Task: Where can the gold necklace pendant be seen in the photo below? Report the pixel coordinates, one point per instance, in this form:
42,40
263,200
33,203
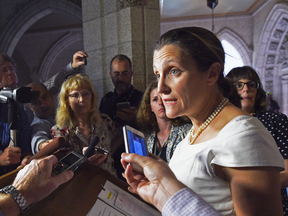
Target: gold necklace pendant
205,124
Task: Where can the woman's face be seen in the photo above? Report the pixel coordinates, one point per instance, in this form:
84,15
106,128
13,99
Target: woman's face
156,104
249,96
80,101
180,84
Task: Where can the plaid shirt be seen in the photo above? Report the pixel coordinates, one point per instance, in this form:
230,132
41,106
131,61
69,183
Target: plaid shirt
186,202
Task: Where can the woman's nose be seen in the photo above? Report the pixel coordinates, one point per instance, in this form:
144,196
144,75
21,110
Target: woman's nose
162,86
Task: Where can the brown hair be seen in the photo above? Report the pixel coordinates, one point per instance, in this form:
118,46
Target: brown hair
146,119
247,72
205,49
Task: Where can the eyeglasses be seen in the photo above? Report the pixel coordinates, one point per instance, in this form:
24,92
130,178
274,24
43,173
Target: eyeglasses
76,96
250,85
11,69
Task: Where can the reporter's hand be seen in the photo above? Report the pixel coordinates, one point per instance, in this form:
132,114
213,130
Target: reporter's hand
159,182
128,115
35,181
11,155
96,159
78,59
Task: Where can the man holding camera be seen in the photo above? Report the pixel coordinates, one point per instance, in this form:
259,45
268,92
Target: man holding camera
11,156
12,153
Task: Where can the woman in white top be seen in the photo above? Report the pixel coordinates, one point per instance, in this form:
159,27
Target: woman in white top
228,157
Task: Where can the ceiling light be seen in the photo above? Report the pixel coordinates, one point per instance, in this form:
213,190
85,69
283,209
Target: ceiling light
212,4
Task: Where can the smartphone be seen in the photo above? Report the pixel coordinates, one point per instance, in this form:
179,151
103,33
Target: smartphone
70,162
100,150
122,105
135,143
85,61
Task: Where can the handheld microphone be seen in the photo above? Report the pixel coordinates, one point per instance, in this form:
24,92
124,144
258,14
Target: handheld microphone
91,149
73,160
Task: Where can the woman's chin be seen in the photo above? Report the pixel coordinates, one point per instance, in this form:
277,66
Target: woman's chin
171,115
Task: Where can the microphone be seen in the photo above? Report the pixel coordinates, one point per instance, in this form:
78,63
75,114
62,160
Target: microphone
91,149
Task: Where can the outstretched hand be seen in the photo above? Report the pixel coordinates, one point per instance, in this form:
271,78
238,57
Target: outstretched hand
35,181
159,182
96,159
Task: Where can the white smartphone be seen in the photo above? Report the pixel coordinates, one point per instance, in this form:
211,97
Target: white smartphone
135,143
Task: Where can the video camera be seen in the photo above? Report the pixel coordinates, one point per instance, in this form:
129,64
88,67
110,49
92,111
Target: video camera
20,95
12,97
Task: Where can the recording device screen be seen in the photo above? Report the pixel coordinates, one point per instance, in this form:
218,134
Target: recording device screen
136,144
70,162
70,159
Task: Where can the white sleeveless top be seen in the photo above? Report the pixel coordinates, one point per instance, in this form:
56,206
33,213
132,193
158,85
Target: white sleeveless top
243,142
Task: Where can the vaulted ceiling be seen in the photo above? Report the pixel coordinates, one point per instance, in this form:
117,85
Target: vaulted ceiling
171,9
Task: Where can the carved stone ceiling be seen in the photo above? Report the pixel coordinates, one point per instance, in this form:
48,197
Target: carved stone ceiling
171,9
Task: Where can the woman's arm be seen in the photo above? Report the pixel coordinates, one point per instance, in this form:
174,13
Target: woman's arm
284,175
255,190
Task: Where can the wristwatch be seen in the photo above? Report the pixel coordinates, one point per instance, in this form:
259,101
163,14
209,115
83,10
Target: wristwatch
17,196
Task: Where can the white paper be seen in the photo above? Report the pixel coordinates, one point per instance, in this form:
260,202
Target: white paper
100,208
125,202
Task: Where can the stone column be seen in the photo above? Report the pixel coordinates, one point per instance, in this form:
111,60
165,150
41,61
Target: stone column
111,27
284,108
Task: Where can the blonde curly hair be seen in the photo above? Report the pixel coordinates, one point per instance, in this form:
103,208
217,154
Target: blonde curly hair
64,115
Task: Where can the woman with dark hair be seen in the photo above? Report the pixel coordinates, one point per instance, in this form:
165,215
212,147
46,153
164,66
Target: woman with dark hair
228,158
253,102
162,134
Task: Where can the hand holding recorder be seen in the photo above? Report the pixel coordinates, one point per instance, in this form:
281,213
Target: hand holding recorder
73,160
35,181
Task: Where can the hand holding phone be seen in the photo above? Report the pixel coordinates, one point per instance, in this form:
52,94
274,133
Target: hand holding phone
135,143
123,105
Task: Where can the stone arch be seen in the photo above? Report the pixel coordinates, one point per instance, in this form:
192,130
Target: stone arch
50,57
271,56
238,43
30,14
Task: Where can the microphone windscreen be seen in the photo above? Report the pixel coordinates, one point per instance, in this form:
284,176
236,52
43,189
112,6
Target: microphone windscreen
91,149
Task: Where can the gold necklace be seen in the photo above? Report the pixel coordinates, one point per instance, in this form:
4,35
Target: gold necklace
207,121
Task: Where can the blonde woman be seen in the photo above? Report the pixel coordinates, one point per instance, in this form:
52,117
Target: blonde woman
79,120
